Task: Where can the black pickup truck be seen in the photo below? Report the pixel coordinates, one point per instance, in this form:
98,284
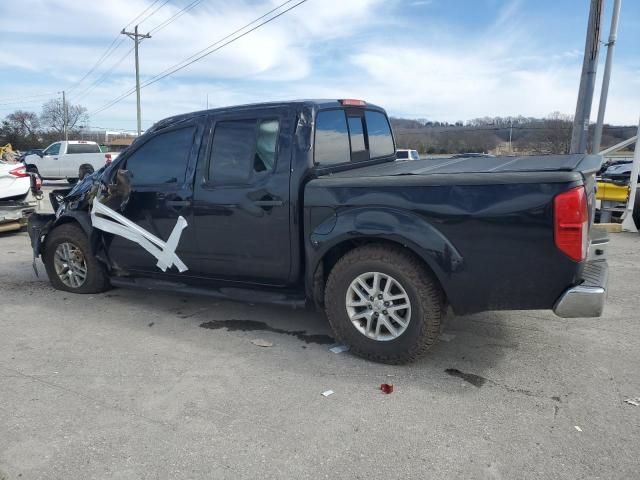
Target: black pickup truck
303,203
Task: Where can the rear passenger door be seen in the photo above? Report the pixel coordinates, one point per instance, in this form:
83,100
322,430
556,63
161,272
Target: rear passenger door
241,204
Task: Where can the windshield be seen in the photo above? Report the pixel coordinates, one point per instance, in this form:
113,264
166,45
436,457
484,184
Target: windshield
414,155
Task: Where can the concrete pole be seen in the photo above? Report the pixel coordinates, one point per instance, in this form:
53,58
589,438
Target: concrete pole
613,36
580,132
628,225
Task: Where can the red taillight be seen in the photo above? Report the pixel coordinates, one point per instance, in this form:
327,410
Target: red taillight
19,172
107,158
571,223
353,103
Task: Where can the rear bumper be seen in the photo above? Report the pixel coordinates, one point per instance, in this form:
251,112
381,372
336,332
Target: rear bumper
587,299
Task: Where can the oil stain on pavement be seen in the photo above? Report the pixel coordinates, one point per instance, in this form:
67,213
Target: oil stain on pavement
253,326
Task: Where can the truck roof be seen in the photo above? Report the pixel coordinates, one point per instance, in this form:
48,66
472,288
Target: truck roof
318,104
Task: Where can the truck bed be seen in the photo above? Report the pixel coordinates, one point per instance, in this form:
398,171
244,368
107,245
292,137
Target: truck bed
494,217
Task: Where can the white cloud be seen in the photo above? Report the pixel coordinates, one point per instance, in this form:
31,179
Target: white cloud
328,48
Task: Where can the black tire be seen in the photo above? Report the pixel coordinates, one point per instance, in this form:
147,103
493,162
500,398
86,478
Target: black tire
96,280
32,169
72,181
85,170
423,290
636,210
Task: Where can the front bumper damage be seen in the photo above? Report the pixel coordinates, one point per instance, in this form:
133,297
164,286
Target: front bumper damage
587,299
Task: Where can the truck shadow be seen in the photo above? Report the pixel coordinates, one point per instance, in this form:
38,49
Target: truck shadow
469,348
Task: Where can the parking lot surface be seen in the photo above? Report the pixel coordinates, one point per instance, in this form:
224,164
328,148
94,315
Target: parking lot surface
133,384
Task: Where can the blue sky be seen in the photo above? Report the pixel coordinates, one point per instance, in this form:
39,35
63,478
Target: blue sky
437,59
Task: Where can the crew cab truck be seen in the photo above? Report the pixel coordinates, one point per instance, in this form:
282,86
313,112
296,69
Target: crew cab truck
302,203
70,160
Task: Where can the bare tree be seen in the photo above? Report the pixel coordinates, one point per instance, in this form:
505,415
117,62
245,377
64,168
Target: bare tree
52,115
23,123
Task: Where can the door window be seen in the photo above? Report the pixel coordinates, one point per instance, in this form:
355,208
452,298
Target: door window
163,159
52,149
242,149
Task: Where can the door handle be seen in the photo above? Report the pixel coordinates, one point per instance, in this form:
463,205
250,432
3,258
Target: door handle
178,203
268,203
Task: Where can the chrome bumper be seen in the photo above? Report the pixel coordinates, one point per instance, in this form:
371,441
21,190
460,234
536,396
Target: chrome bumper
587,299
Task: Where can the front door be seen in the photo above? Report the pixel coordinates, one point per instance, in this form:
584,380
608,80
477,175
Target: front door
49,166
161,175
241,198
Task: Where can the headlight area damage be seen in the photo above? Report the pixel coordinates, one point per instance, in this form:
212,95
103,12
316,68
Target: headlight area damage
95,205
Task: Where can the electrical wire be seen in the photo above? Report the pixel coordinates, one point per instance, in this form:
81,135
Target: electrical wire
228,39
175,16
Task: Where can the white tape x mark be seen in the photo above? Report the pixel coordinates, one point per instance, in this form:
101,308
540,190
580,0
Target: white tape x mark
165,252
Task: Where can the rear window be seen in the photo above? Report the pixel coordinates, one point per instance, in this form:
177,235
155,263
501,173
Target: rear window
83,148
341,139
332,138
380,139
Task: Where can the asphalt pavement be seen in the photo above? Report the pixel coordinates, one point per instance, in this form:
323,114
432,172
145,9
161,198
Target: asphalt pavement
138,385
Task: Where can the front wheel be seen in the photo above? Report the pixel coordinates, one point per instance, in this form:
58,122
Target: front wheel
384,303
70,264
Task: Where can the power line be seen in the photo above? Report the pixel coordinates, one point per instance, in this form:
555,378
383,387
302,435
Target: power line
26,99
205,52
117,41
103,77
148,16
175,16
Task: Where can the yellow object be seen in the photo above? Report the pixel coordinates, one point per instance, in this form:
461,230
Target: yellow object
612,193
6,149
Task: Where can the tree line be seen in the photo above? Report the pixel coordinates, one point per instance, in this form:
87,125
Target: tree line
501,135
25,130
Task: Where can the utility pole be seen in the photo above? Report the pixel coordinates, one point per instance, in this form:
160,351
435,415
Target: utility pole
510,134
65,117
613,36
137,38
580,132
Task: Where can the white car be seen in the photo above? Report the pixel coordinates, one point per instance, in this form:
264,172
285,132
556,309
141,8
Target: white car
17,200
403,154
68,160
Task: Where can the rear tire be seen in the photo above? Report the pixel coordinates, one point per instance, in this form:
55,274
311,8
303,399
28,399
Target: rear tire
418,329
70,264
32,169
72,181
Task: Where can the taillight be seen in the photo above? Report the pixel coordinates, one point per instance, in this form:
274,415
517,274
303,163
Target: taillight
19,172
571,223
107,158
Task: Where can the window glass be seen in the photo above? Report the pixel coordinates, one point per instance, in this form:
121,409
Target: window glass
162,159
332,138
356,130
266,145
415,155
380,139
52,149
83,148
241,148
402,154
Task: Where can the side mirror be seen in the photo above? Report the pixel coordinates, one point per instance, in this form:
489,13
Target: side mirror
40,154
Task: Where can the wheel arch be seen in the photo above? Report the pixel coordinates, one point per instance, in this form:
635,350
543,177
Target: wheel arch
422,240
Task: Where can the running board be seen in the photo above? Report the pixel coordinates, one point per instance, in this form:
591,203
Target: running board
224,293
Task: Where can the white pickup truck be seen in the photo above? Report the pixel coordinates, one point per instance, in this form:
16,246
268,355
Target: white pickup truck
68,160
